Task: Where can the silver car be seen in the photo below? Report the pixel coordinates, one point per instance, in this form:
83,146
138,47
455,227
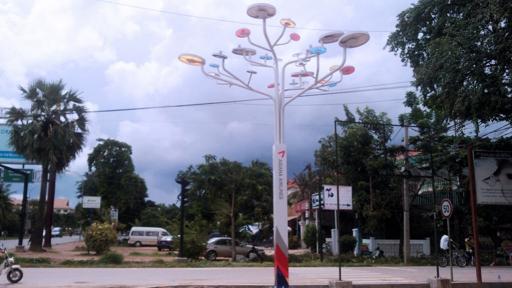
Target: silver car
221,247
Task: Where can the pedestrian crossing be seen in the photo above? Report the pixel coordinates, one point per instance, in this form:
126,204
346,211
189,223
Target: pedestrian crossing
357,276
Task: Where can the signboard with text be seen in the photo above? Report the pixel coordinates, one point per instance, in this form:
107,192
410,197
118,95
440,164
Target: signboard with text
12,177
493,177
93,202
330,200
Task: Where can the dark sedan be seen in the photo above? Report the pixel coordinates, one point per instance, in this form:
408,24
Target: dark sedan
165,243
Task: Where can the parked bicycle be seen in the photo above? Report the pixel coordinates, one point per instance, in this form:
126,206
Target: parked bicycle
459,257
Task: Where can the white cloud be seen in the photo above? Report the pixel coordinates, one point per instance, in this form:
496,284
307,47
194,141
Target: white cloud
121,56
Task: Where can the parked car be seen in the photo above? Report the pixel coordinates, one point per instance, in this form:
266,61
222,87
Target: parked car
57,232
221,247
123,237
146,235
165,243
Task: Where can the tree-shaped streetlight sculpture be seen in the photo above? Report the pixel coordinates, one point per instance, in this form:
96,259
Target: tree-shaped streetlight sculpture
281,96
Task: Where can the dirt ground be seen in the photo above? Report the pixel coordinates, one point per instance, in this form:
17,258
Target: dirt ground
77,251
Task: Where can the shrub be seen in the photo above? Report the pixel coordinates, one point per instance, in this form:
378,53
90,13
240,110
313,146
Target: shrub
99,237
112,258
293,242
348,243
194,247
310,237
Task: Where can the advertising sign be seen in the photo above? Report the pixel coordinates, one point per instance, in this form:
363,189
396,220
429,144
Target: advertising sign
91,202
493,177
330,200
7,154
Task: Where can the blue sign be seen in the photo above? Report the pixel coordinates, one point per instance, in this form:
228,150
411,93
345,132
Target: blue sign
7,154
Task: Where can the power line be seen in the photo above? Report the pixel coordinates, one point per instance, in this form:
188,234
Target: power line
223,20
243,100
399,129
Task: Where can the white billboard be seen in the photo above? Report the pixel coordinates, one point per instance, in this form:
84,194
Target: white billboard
330,200
493,177
91,202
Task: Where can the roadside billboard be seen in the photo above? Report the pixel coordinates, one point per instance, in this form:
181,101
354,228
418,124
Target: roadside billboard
7,154
493,177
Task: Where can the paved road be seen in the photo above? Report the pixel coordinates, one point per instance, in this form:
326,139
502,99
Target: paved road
158,277
12,243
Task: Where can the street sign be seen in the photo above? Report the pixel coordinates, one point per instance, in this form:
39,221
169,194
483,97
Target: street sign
114,214
330,201
13,177
446,208
91,202
315,203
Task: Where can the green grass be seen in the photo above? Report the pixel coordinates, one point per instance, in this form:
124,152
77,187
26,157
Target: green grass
163,260
33,262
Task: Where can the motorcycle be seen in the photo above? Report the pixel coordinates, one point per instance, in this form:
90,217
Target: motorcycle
14,272
256,253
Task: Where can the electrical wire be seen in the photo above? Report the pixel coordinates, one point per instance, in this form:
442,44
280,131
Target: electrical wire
399,129
244,100
225,20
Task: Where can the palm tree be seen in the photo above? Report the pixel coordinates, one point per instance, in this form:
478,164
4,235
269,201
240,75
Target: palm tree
52,133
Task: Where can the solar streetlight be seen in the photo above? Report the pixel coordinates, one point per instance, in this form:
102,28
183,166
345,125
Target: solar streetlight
281,95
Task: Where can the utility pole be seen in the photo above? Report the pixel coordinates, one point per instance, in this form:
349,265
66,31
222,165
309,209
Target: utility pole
407,226
474,213
184,184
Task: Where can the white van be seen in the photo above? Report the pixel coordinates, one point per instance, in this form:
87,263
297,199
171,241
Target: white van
146,235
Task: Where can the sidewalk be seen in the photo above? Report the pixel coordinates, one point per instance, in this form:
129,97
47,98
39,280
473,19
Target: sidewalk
362,277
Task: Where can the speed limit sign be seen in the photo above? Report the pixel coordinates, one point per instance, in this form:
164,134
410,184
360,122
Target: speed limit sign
446,208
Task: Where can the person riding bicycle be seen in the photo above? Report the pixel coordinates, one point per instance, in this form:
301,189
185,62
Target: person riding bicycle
443,244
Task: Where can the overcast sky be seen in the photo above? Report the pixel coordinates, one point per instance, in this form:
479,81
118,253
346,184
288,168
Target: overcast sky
123,54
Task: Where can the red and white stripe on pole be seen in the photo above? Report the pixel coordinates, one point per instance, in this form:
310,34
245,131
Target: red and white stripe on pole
280,192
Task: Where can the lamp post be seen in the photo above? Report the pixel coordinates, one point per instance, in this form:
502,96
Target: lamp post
281,95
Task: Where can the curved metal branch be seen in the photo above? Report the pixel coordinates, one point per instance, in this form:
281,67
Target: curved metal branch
257,45
323,78
283,71
233,75
247,87
317,67
256,63
223,74
284,43
279,37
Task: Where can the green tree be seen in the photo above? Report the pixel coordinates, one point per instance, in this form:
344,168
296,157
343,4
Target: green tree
460,55
6,208
225,193
367,164
112,176
51,132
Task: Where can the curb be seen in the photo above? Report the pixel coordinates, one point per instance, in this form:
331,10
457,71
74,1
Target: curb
389,285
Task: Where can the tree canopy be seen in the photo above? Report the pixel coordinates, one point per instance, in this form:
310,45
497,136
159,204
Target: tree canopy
226,194
52,133
460,55
367,164
112,176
